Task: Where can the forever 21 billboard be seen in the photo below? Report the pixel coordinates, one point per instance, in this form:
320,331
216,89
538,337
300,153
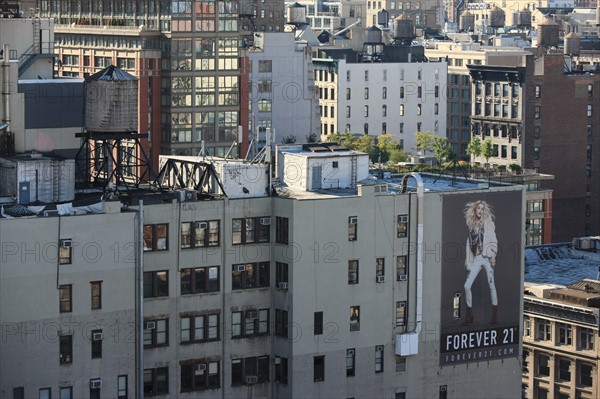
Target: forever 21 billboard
481,276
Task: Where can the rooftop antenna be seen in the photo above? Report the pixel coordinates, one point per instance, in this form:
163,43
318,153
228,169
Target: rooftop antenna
454,165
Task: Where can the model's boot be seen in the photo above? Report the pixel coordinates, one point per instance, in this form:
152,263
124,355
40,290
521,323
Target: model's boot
469,317
494,315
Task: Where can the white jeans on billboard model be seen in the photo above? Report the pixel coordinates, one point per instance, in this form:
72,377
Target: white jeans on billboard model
472,271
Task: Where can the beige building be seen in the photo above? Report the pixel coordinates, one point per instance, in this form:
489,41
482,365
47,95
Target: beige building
311,292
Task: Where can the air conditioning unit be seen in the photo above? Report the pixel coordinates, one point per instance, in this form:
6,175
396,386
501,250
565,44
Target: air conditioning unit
200,368
201,225
353,220
380,279
277,360
67,243
402,277
150,325
96,383
190,195
379,348
98,336
251,379
251,314
265,221
239,268
283,285
350,352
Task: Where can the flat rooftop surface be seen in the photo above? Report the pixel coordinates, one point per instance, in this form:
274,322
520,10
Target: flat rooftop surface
558,264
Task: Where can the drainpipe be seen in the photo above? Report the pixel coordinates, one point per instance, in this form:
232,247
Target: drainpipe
5,125
139,372
420,217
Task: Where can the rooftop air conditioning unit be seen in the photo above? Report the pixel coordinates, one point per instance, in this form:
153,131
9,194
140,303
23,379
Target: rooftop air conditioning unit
96,383
380,279
402,277
265,221
67,243
251,379
239,268
283,285
150,325
97,336
201,225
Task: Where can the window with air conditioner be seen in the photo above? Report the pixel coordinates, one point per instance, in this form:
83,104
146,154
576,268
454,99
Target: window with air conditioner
200,234
97,338
350,362
156,333
65,251
250,370
352,228
250,275
250,323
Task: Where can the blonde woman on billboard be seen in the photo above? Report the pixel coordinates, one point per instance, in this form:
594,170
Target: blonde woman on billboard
481,250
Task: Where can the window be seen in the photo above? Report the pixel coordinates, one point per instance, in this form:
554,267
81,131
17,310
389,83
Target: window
379,359
156,381
282,230
348,111
590,90
400,364
347,76
353,272
66,349
200,280
96,291
401,109
402,226
384,110
355,318
96,339
281,323
564,334
563,365
586,338
156,237
380,267
198,375
543,332
366,93
94,392
366,111
200,234
45,393
156,284
585,374
401,267
281,369
65,253
248,371
250,323
443,392
401,92
202,328
543,365
281,274
366,128
265,105
250,275
538,91
348,94
156,333
401,127
384,93
527,326
265,66
352,228
66,392
318,323
251,230
400,395
401,313
65,298
366,76
436,109
122,387
456,306
350,362
589,110
319,368
19,393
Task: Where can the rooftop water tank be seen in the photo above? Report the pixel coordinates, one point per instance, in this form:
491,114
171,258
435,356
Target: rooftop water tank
404,28
523,19
383,18
373,35
572,44
496,17
297,14
111,101
467,22
547,34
